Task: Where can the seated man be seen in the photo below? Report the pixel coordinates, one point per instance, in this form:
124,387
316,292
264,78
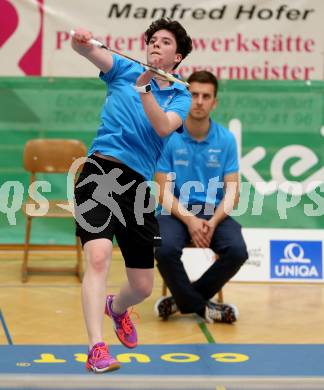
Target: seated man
202,165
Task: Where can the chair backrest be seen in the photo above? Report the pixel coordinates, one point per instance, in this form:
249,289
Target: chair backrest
52,155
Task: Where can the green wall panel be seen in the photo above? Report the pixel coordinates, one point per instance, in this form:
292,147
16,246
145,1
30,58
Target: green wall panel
273,116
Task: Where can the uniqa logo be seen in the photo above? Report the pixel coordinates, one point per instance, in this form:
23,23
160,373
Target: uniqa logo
294,264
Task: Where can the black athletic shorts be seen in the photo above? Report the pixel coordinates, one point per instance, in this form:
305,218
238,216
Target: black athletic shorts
111,200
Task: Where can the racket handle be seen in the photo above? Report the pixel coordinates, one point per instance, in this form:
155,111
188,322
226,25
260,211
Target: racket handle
93,41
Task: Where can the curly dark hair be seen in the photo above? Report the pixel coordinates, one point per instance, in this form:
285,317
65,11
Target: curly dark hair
204,77
183,40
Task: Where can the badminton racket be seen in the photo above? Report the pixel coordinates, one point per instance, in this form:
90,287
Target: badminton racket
154,69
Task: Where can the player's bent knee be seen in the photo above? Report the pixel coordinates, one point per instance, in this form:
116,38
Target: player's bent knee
144,290
238,253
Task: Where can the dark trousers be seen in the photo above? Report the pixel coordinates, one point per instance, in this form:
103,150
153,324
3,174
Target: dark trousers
227,242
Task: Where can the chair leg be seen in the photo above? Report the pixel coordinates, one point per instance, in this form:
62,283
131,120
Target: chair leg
164,288
79,267
220,297
24,268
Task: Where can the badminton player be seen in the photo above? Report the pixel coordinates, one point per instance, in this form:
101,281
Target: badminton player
141,110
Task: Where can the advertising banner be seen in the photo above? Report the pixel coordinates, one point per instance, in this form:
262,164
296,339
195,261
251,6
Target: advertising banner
265,40
277,255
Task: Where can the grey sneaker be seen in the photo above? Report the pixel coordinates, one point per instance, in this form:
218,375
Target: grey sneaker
165,306
220,312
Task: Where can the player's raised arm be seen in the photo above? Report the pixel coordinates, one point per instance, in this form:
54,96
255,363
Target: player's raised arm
102,59
162,122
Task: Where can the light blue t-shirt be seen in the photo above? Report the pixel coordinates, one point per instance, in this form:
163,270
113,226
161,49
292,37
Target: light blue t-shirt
125,131
200,167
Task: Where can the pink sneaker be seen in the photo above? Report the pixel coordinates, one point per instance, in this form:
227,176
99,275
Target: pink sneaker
100,360
124,327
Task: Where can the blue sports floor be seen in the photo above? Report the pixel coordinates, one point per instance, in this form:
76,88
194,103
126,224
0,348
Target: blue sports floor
183,366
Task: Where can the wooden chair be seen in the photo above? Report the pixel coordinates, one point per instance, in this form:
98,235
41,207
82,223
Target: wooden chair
49,156
219,295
